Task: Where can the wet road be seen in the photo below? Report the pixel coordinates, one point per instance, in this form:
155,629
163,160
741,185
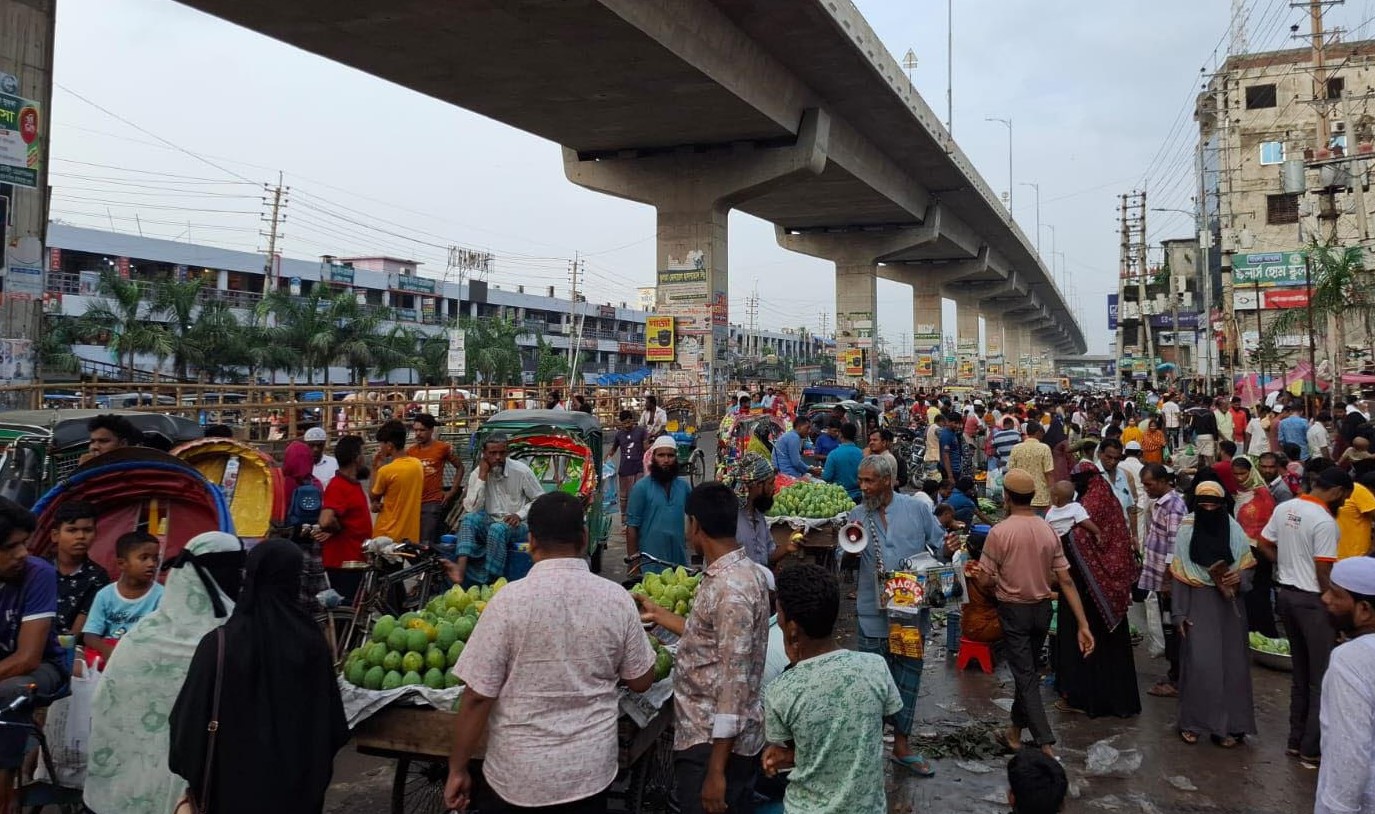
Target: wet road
1255,777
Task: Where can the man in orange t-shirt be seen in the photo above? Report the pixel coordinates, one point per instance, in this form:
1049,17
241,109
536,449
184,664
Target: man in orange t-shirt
433,455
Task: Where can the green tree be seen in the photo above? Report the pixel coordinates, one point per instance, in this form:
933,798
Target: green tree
54,347
550,364
175,304
492,350
1343,291
321,330
121,314
431,359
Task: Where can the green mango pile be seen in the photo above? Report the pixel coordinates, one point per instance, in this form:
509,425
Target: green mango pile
670,589
811,499
420,648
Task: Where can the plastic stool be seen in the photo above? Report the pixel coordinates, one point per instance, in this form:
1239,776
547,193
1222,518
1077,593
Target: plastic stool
978,652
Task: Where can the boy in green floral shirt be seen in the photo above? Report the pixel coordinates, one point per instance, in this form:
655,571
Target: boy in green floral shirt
823,717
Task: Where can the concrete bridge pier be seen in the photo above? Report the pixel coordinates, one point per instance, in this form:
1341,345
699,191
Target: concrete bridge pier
857,255
928,323
693,190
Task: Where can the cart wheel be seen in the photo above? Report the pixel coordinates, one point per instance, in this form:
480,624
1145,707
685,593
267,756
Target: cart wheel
651,782
418,787
697,467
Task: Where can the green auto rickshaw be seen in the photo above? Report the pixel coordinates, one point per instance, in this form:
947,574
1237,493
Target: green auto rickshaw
564,450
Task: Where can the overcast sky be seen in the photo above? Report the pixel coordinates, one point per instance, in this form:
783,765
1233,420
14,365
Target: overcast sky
1100,96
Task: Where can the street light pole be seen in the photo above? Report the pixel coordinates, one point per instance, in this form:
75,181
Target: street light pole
1008,122
1037,188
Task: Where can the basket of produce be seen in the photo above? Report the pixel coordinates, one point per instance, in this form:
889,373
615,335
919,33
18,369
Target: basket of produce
1272,653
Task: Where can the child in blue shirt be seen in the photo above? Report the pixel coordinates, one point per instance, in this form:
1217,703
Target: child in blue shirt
120,605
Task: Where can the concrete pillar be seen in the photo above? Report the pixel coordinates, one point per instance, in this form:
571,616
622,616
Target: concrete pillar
857,256
928,328
995,363
966,338
693,193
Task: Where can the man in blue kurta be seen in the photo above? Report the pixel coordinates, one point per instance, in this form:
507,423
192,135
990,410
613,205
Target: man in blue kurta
787,450
655,515
842,465
899,527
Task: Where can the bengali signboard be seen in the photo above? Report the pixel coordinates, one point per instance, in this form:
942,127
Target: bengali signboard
683,286
854,362
1268,269
967,344
1187,319
689,320
414,285
20,141
1112,312
340,275
925,366
1269,299
24,282
659,339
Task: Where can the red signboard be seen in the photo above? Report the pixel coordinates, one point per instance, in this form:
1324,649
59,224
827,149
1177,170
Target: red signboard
54,259
1285,297
630,349
123,266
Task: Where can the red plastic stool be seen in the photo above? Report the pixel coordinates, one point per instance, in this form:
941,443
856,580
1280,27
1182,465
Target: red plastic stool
979,652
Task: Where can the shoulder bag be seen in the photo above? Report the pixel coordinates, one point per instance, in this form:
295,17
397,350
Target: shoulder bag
200,804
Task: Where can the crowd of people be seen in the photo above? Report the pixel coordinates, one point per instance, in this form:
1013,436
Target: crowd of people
1228,520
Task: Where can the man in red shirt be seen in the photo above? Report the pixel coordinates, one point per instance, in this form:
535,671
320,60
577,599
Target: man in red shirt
346,518
1239,422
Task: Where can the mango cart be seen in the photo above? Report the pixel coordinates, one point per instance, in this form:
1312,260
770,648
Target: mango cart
419,740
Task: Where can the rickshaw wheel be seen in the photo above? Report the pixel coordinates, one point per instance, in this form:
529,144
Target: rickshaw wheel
652,781
418,786
697,467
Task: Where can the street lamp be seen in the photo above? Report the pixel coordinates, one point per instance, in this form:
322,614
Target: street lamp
1052,241
1036,187
1008,122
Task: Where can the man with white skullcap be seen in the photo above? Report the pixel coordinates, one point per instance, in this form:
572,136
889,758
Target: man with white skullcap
1346,778
654,514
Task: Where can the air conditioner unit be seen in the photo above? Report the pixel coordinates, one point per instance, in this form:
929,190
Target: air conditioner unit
1339,127
1186,299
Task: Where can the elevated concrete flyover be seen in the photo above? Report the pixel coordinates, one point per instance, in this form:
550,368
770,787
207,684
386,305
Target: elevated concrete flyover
790,111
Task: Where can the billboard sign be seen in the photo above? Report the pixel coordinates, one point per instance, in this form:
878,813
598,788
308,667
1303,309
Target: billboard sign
1268,269
1112,312
659,339
1269,299
854,362
21,129
458,354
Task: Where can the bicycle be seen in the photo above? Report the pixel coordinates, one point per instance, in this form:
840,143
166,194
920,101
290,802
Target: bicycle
36,795
634,574
390,586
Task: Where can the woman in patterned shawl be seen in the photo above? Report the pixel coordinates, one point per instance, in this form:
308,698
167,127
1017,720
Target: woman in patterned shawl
127,770
1104,568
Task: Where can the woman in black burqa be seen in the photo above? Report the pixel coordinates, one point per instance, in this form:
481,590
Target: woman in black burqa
281,720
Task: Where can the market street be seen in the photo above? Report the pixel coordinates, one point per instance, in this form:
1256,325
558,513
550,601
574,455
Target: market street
1255,778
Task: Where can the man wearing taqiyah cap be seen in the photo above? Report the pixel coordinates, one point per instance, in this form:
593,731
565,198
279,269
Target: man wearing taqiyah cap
654,515
326,466
1021,559
1346,779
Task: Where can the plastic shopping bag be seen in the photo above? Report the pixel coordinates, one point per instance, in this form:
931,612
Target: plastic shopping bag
68,728
1155,632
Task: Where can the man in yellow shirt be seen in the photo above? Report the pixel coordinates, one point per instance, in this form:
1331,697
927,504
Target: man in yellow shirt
397,486
1354,523
1035,457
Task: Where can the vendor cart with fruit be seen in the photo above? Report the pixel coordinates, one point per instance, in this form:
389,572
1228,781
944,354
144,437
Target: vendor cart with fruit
400,698
809,513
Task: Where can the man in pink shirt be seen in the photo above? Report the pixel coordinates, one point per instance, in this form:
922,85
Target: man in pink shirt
540,676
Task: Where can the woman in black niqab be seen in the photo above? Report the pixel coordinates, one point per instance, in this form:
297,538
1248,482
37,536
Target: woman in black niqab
281,718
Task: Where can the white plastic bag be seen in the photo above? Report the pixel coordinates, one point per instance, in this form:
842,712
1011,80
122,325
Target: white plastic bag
1155,632
68,728
993,487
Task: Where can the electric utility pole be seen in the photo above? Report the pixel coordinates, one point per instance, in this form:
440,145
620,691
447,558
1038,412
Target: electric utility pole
280,196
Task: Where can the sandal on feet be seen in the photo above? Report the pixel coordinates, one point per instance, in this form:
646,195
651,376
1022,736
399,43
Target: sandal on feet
1188,737
1013,745
916,764
1309,762
1164,689
1064,706
1228,742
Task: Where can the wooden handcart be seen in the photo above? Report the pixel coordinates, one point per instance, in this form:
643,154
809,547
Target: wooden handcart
419,740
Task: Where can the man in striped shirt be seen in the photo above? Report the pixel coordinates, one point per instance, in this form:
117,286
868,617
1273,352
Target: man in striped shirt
1005,439
1167,511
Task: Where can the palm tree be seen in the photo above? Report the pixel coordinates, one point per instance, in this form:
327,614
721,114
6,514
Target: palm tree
492,350
431,358
1342,290
120,312
216,343
54,347
175,302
